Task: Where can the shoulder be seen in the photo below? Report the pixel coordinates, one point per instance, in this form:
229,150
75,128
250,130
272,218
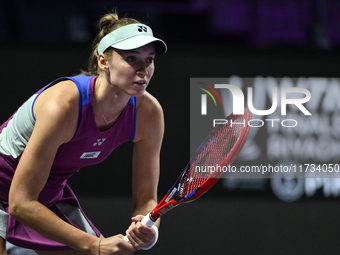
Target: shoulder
149,105
59,105
62,95
150,119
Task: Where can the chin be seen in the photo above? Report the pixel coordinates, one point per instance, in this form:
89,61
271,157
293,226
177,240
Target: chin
137,93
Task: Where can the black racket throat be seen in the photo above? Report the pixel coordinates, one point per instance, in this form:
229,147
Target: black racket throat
176,191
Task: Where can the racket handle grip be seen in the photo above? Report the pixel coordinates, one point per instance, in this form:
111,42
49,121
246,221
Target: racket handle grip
145,221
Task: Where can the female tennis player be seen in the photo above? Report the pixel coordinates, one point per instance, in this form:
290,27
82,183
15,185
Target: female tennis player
75,122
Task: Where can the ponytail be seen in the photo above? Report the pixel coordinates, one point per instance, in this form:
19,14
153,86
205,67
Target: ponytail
108,23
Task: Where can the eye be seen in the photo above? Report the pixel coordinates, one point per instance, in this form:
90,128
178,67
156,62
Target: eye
150,60
131,59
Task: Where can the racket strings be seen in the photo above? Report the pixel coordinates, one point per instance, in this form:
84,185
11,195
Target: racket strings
206,163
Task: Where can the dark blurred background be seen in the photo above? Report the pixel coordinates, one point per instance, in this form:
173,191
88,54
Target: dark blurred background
43,40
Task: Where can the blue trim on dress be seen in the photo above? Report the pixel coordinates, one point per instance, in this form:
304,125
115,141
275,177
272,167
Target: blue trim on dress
133,102
84,92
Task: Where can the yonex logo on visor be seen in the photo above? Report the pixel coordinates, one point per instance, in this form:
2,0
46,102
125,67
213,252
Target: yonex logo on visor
141,29
131,37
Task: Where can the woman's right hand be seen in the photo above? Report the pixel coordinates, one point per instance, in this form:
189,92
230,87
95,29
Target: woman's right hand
115,245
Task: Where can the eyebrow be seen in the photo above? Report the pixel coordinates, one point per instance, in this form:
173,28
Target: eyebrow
137,52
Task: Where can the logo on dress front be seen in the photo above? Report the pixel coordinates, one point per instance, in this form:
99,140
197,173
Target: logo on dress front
99,142
93,154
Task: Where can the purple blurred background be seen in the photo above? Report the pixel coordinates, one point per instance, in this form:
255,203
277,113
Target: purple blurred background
255,23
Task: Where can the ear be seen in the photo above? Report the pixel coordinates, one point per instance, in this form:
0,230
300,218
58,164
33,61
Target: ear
102,62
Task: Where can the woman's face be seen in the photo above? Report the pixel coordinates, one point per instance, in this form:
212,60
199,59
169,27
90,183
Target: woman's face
131,70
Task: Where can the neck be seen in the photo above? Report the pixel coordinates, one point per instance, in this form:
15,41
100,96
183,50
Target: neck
107,103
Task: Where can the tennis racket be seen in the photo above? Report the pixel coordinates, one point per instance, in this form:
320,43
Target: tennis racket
220,148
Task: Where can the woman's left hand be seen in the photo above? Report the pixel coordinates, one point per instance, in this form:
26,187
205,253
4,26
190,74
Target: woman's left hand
140,235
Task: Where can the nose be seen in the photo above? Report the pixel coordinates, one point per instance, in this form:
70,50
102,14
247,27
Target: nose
142,69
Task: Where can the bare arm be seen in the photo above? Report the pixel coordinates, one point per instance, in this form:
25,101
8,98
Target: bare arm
146,153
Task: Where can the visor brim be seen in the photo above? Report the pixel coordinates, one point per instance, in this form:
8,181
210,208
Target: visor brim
139,41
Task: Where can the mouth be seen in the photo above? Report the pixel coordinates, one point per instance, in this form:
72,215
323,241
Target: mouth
141,82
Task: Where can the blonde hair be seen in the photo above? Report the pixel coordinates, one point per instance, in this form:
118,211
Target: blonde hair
107,24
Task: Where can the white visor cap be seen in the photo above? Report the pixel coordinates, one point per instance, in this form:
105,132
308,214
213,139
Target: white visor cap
131,37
